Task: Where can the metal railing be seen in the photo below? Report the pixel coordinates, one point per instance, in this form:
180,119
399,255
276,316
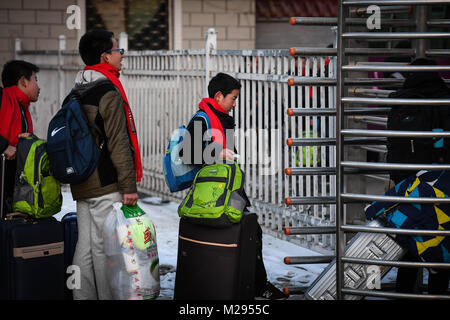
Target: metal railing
348,100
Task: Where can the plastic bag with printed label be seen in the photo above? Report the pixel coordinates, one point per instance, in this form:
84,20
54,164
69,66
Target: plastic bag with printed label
129,239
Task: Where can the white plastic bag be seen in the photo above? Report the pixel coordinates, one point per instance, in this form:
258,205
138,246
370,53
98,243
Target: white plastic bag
129,240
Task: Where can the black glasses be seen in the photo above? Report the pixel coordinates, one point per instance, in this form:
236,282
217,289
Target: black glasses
122,51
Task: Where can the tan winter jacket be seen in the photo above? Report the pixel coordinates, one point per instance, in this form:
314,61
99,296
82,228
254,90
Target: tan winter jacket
104,106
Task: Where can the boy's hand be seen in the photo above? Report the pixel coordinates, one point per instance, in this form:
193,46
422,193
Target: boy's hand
130,199
227,154
24,135
10,153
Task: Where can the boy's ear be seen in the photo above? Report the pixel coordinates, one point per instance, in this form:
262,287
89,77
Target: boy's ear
218,96
22,82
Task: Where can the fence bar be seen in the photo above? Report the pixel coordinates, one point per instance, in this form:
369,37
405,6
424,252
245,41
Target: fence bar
398,35
330,171
310,200
386,22
394,133
308,260
370,92
311,81
395,166
397,102
310,171
313,21
295,142
379,52
397,264
370,120
384,294
357,197
332,111
437,52
392,2
294,290
310,142
309,230
305,51
395,68
438,23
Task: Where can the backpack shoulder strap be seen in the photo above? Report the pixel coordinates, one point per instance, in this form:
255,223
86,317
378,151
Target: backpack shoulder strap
204,116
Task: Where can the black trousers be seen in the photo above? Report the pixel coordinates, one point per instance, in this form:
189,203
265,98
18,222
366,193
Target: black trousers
407,279
260,269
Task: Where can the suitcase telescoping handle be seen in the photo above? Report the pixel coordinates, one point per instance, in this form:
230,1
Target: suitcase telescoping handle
2,184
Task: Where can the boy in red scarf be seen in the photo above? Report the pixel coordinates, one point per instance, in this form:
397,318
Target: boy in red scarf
223,92
20,88
104,103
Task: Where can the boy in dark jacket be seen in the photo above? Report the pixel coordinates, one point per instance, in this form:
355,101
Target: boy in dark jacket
223,92
420,85
20,88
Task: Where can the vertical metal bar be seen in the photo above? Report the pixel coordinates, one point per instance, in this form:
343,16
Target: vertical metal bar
272,125
260,130
284,116
339,154
266,132
254,125
248,134
279,144
421,19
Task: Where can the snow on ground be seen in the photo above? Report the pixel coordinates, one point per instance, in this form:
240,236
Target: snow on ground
165,218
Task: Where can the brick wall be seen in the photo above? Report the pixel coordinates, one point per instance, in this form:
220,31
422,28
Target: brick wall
38,23
234,21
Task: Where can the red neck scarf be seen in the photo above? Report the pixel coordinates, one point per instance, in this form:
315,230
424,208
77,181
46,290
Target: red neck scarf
113,74
216,125
11,117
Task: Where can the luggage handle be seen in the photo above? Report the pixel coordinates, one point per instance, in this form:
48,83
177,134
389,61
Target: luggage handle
38,251
18,215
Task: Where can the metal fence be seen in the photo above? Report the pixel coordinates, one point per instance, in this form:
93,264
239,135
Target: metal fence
164,89
354,101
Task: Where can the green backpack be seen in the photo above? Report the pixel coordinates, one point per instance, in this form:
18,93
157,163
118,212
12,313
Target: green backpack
36,191
215,196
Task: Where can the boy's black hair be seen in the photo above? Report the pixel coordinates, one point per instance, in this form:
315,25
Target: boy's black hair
93,44
14,70
224,83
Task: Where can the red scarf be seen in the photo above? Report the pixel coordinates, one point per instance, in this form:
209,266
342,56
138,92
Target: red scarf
10,115
216,125
113,74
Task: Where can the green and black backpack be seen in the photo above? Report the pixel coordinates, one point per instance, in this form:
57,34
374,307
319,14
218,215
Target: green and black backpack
215,196
36,191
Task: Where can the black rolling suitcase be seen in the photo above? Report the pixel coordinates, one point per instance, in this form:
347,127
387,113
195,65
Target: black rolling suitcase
70,226
216,264
31,257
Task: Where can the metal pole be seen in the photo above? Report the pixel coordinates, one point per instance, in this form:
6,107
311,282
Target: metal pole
211,44
339,155
421,21
61,47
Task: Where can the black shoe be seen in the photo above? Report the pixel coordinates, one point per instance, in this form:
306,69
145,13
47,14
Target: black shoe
271,292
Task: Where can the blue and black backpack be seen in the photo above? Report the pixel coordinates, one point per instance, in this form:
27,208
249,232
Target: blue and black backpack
178,175
71,147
